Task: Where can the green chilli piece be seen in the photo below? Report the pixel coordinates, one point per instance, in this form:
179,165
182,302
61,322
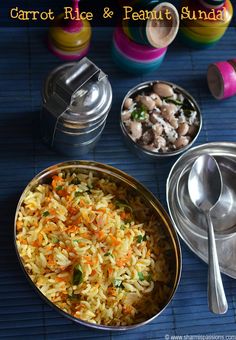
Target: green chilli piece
139,113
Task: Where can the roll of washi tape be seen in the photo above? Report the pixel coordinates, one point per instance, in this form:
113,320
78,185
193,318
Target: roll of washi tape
221,78
70,40
233,63
136,51
157,31
135,67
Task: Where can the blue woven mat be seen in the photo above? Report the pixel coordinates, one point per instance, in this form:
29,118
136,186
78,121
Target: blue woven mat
24,63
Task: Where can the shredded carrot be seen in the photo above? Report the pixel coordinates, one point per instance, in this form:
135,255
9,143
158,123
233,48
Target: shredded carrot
99,220
54,219
86,236
72,229
55,181
114,241
93,272
40,239
62,193
50,260
78,220
102,210
127,309
128,256
19,225
82,203
112,291
110,270
22,241
120,263
100,235
88,260
123,215
52,211
61,279
72,210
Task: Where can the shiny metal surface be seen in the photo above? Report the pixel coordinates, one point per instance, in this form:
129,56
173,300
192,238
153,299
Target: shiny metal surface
205,187
223,214
77,98
187,227
139,150
118,176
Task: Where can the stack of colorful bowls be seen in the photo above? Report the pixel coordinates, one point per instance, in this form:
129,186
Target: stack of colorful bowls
140,46
70,39
204,22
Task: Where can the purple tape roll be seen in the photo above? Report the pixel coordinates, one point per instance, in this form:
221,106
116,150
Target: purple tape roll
221,78
136,51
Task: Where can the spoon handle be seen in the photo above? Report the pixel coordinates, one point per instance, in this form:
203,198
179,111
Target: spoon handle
216,295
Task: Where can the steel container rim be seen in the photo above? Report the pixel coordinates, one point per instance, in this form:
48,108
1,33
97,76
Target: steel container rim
151,154
117,175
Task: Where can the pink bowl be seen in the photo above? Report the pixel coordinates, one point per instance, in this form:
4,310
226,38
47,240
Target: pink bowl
135,51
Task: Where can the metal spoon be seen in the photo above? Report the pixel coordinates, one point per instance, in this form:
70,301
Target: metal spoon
205,187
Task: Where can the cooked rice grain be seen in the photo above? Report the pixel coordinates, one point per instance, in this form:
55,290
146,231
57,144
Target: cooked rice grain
95,250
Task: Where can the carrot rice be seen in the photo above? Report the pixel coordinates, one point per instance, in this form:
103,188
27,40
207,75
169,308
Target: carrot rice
94,249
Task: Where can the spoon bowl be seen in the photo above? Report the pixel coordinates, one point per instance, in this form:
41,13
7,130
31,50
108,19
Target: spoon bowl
205,183
205,189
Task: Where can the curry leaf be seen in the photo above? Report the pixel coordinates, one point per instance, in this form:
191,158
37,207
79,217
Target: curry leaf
77,275
174,101
139,238
75,181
